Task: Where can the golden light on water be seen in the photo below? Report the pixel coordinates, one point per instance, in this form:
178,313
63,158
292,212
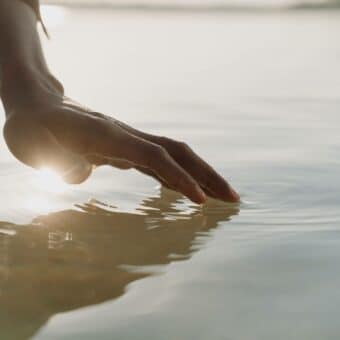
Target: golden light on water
48,187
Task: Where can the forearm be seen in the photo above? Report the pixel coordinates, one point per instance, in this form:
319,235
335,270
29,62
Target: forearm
23,69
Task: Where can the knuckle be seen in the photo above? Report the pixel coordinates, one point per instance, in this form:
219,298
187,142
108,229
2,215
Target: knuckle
158,152
163,140
182,146
174,146
166,142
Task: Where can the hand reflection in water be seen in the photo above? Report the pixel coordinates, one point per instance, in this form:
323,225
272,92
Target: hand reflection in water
72,259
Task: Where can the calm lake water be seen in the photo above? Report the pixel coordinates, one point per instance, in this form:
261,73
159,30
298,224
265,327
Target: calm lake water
257,95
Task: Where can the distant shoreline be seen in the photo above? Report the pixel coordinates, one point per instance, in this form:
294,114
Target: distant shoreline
194,8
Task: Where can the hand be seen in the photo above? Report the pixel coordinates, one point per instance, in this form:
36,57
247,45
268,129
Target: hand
59,133
44,128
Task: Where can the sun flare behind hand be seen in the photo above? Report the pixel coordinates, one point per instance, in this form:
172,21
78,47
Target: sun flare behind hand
50,181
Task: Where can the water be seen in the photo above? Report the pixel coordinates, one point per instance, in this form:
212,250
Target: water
119,258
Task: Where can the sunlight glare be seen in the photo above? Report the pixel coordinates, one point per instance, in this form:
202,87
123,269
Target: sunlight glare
50,181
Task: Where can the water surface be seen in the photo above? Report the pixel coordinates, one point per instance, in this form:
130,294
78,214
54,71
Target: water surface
117,257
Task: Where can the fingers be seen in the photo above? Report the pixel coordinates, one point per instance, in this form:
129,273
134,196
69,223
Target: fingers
210,181
208,178
34,145
157,160
112,141
213,183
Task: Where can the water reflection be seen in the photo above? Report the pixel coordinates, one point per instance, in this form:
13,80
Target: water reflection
76,258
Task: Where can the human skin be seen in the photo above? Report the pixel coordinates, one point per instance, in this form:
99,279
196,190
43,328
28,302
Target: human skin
44,128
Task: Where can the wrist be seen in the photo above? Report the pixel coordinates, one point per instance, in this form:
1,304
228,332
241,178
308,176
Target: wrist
18,83
23,85
24,76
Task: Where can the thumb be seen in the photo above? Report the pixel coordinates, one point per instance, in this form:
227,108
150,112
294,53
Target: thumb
34,145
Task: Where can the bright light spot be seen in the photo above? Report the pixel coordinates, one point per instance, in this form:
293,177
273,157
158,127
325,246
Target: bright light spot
38,204
48,186
52,15
50,181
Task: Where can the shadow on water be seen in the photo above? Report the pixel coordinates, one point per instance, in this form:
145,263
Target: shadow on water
76,258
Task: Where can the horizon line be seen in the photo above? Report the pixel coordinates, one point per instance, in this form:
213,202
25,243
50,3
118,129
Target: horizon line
194,7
